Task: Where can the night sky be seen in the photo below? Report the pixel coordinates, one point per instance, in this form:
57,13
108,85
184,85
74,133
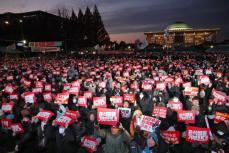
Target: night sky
128,19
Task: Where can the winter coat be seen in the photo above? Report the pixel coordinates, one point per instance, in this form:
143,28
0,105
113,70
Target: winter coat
115,143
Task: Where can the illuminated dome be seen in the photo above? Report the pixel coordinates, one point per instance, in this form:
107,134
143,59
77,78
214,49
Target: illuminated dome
177,26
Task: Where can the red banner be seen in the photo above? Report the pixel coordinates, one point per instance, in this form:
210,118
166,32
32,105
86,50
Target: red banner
108,116
171,137
196,134
89,144
99,102
129,97
159,112
186,116
117,100
62,98
149,123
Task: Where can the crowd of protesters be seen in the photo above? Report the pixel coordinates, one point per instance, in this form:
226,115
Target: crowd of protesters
158,104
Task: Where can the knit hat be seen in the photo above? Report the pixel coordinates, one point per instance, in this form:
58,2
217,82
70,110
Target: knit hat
153,135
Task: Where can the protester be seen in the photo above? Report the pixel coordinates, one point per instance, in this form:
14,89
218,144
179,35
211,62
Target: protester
117,104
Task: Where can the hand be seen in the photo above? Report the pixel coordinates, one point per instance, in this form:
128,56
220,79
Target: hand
16,148
120,126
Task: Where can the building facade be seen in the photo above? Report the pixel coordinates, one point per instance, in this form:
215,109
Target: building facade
180,34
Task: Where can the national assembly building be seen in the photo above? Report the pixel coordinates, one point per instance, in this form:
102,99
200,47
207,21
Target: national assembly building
180,34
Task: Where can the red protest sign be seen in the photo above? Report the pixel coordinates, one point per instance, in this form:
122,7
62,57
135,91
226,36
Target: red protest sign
7,107
89,144
129,97
9,78
99,102
187,84
76,84
62,98
88,94
6,123
107,116
48,87
82,101
17,128
159,112
169,80
178,81
14,97
63,121
171,137
186,116
73,114
204,79
29,97
117,100
160,86
149,123
147,86
66,86
196,134
39,84
37,90
191,91
74,90
220,96
44,115
175,105
26,82
47,96
9,89
221,117
102,84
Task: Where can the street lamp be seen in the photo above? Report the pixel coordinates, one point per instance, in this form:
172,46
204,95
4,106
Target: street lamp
7,22
20,20
24,41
